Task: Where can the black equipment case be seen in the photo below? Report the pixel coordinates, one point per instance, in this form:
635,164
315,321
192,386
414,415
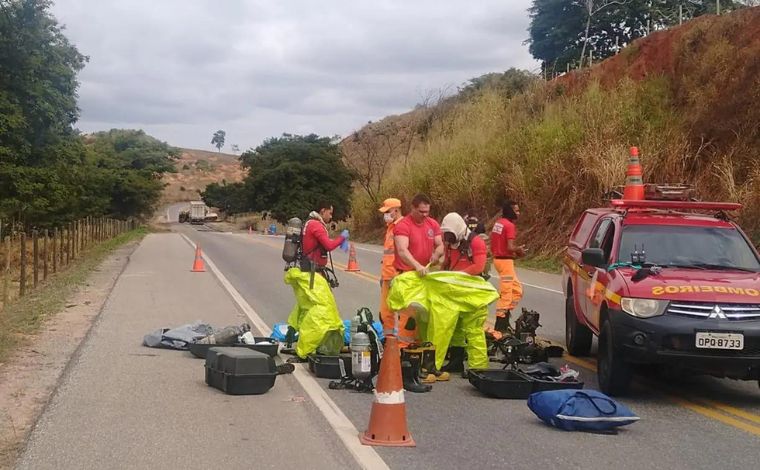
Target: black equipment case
200,350
240,371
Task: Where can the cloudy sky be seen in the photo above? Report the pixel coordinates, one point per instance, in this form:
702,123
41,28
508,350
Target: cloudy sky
181,69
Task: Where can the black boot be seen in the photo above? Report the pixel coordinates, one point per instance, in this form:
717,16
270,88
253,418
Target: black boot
410,369
429,372
502,323
456,360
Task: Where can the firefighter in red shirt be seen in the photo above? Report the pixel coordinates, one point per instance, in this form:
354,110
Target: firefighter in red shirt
505,251
418,243
316,242
391,210
466,252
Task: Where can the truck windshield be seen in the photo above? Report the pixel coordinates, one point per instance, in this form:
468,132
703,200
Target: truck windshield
689,246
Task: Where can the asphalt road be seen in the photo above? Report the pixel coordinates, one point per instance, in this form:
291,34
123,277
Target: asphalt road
121,405
702,423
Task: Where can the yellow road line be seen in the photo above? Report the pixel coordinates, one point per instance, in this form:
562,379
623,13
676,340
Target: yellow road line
697,408
732,410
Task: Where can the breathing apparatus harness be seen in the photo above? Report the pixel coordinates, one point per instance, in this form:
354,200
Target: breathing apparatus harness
294,256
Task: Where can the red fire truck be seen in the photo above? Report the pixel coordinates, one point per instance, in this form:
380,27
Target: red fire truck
669,282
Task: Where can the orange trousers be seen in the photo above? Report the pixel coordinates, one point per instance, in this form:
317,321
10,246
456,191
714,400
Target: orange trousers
510,288
399,327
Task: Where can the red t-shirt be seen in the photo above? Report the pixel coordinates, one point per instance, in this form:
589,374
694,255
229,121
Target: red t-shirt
502,231
316,242
421,240
458,261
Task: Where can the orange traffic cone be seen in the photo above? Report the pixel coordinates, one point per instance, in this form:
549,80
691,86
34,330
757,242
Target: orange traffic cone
353,266
634,183
250,230
387,421
198,266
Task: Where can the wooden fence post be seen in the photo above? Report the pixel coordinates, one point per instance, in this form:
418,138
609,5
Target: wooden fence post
45,256
22,278
68,244
7,275
55,252
35,258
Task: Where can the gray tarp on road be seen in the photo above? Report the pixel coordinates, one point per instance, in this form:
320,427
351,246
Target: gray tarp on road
179,337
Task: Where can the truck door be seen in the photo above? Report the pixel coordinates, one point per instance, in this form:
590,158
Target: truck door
595,279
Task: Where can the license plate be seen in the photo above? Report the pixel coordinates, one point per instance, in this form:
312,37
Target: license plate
710,340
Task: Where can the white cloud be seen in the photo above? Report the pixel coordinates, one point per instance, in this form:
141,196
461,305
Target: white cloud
181,69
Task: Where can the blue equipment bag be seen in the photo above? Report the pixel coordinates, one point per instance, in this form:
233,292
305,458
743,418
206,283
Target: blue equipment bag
280,331
580,410
376,325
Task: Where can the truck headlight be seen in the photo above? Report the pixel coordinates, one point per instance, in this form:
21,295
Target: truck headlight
643,308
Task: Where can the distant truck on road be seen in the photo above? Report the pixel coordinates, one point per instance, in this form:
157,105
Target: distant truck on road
198,211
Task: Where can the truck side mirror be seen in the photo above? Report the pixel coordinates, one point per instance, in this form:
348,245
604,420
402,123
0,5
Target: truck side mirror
594,257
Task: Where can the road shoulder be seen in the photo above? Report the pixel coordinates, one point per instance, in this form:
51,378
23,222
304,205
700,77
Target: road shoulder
30,377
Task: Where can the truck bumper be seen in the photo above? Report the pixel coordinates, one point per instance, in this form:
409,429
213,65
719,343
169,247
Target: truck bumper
671,340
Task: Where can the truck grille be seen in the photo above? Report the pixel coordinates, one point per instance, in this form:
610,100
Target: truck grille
716,311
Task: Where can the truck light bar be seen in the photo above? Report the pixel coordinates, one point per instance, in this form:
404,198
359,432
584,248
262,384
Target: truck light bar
675,205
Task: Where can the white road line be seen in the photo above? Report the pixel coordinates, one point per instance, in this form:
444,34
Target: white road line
368,249
554,291
365,456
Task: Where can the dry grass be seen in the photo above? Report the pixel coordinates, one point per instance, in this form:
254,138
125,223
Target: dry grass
688,98
195,170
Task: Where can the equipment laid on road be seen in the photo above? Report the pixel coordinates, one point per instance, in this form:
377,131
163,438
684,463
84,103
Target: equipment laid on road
180,337
330,367
575,410
515,383
366,354
240,371
268,346
522,345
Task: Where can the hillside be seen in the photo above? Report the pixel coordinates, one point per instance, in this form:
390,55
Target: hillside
196,169
688,97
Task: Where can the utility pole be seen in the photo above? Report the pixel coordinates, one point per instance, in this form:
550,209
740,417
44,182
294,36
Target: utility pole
680,14
717,6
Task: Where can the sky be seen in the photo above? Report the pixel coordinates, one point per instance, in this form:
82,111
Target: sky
182,69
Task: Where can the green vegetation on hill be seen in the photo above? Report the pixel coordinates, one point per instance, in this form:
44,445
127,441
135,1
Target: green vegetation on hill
689,98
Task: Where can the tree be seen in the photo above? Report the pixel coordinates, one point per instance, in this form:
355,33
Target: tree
230,198
235,148
592,7
561,31
289,175
369,151
38,83
218,139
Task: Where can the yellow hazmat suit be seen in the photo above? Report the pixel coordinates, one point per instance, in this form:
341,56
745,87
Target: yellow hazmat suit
315,315
442,299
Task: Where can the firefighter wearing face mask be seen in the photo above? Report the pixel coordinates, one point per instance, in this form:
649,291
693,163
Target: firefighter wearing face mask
466,252
391,210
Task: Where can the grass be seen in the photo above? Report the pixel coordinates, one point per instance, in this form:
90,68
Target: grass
544,264
23,317
558,153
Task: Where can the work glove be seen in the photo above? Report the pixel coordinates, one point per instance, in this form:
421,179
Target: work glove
344,245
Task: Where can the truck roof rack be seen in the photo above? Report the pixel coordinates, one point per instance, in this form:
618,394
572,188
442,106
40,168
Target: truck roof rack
674,205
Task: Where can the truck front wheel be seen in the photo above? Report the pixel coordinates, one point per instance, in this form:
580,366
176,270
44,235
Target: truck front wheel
577,336
613,373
